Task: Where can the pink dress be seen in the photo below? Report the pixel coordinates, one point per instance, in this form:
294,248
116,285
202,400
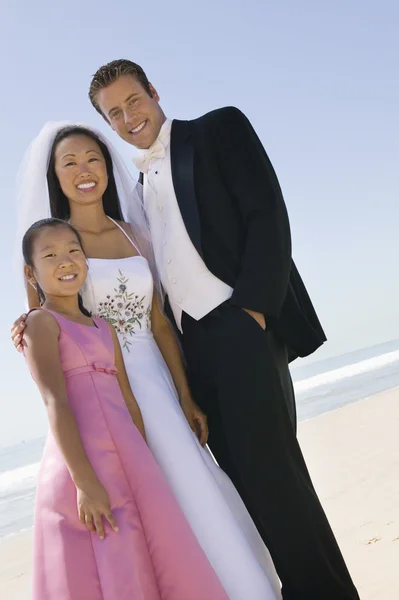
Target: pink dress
154,555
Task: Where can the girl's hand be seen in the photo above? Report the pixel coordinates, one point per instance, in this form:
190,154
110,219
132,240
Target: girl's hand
93,505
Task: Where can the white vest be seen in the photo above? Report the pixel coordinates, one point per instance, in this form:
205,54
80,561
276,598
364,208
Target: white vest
190,286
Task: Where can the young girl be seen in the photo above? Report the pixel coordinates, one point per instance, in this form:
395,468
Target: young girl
107,527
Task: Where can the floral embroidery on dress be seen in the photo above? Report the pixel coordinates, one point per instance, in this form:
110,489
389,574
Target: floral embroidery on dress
125,310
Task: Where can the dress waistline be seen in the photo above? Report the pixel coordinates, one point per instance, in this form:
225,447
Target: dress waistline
98,367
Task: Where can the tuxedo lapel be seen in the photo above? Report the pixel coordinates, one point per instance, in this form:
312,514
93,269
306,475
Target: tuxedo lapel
182,164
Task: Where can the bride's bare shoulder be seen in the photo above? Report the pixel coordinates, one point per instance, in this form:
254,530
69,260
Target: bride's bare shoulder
122,224
127,228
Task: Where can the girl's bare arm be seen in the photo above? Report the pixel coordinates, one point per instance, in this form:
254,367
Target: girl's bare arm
42,355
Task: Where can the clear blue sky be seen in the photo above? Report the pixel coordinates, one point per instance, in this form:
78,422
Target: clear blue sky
319,82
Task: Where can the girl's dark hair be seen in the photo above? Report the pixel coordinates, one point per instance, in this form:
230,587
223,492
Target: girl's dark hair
27,251
59,204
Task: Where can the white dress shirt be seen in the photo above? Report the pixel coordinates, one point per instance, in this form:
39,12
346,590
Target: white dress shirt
189,284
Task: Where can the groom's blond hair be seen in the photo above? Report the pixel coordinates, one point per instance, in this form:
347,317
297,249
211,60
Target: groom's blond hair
110,72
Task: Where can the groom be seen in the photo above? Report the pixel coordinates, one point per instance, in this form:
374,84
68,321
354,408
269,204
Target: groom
222,243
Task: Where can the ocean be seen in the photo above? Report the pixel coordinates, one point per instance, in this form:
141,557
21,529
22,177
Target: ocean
320,387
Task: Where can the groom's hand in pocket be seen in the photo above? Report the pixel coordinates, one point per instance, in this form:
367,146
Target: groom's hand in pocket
259,318
17,333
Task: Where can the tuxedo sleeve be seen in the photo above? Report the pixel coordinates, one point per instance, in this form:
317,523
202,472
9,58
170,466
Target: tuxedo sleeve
252,183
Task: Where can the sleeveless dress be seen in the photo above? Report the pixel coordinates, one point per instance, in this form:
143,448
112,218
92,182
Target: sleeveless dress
154,555
120,291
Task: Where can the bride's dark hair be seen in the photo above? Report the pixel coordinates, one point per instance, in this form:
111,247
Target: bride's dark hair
59,204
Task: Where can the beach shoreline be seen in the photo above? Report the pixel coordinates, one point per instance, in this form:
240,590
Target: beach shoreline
353,457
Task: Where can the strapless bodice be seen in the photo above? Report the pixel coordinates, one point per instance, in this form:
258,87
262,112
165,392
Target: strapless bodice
120,291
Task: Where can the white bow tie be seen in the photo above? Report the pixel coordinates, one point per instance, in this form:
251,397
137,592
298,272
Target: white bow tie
143,160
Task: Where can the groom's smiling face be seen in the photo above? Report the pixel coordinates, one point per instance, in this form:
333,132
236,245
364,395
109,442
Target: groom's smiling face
135,115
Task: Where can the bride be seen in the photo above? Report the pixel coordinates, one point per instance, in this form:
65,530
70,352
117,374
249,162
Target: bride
73,173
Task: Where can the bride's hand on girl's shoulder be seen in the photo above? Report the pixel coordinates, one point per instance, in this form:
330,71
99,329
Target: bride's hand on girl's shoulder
18,328
17,333
94,506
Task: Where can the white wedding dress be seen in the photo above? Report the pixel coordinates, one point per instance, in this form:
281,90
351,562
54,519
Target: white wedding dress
120,290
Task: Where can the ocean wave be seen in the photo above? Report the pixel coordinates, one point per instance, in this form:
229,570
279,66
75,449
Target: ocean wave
329,377
18,478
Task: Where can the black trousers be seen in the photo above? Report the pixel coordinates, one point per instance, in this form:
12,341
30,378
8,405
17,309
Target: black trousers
239,376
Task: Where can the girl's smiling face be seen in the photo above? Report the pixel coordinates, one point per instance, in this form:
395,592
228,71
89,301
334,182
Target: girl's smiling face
58,262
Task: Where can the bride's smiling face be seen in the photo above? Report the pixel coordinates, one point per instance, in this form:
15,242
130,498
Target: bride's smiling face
81,170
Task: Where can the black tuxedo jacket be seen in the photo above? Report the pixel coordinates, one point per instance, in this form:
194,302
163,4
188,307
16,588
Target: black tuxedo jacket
234,212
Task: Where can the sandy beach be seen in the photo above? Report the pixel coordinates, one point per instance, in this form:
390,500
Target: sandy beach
353,456
15,567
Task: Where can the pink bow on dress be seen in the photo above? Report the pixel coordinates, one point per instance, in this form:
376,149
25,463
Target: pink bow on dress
105,368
